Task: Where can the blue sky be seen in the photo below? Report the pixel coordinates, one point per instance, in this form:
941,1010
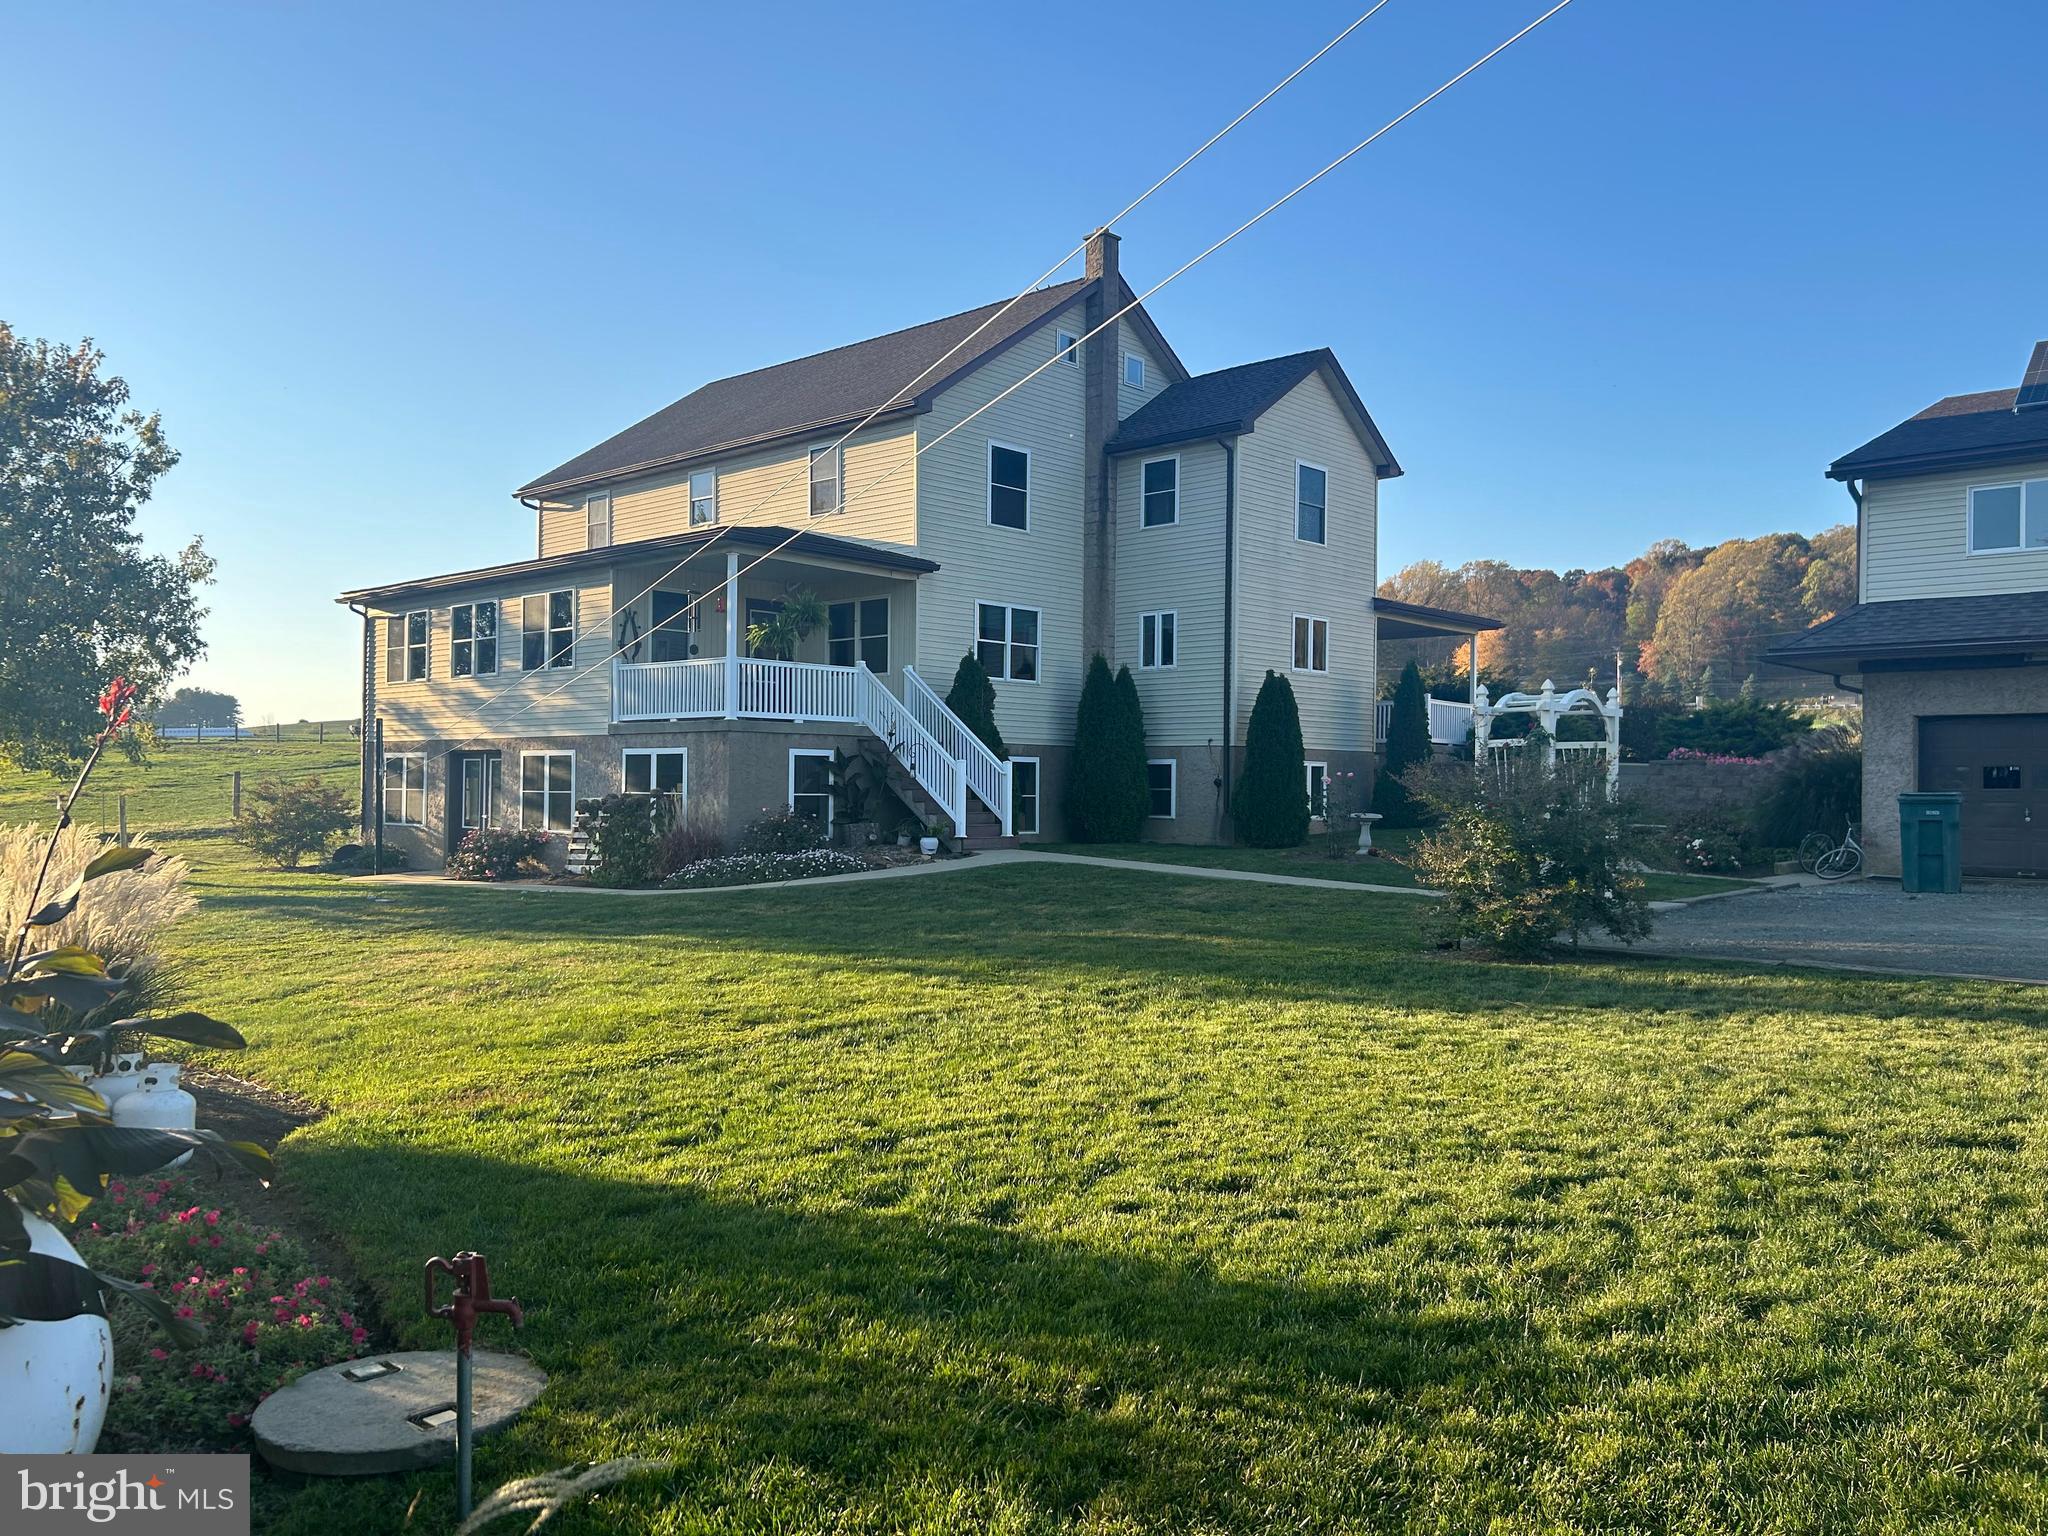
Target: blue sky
1641,277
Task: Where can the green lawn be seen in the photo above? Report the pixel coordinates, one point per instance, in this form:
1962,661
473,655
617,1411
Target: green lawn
1314,861
183,786
1042,1199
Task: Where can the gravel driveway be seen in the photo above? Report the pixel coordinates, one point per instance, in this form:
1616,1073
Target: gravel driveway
1994,928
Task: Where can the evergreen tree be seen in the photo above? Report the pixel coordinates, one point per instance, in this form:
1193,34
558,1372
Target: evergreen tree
1131,771
973,698
1270,803
1407,745
1102,804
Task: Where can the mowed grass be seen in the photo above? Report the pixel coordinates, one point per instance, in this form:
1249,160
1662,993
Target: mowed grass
182,786
1056,1199
1313,861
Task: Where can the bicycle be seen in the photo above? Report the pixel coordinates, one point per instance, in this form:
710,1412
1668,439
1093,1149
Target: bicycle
1821,855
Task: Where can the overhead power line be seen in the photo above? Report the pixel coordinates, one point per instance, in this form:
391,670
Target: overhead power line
1178,272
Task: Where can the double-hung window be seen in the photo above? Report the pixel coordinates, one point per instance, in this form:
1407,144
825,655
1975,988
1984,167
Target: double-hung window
473,639
1009,487
1024,796
2008,517
547,790
810,784
1158,640
547,630
1311,504
703,497
597,521
1311,644
1160,774
405,647
1161,496
1006,641
405,789
657,771
824,481
858,632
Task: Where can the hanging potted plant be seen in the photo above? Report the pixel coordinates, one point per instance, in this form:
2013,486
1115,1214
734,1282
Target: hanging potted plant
59,1145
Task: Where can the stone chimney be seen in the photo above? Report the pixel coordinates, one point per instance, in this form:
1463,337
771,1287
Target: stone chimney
1098,523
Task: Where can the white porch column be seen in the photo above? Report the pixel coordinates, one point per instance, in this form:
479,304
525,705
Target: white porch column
732,634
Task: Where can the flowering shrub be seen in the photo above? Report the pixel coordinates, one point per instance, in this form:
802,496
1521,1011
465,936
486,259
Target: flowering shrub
268,1317
781,831
627,846
499,853
754,868
1689,755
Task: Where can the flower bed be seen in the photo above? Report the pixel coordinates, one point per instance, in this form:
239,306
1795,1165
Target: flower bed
269,1317
758,868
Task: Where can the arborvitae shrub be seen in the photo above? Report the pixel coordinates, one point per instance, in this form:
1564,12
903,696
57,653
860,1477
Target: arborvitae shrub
1270,803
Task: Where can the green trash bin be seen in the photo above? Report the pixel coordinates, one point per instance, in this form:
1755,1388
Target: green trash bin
1931,842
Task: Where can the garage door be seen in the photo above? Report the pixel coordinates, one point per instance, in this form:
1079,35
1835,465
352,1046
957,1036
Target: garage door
1999,763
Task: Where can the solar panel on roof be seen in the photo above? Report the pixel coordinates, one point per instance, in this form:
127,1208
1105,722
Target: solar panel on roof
2034,387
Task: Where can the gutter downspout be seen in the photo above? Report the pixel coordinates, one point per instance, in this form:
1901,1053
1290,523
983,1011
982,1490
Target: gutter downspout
1229,625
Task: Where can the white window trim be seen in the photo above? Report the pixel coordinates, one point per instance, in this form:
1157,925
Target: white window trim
794,754
1010,612
591,520
2026,507
497,638
1145,464
861,636
546,651
404,793
1134,359
1172,767
988,473
1037,798
1158,631
1308,782
1311,669
1066,346
837,451
682,794
519,790
404,647
692,498
1299,466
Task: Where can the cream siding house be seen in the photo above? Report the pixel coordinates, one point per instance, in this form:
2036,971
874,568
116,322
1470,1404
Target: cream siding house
1025,495
1948,641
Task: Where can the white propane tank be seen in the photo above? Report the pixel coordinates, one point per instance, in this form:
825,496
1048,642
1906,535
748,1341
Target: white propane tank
159,1104
122,1077
57,1375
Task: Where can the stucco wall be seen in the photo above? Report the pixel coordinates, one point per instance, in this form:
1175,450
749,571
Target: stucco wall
1893,703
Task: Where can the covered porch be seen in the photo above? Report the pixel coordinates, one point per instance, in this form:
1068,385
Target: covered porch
1450,720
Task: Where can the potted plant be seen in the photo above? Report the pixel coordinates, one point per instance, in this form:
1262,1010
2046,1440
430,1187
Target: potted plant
850,796
56,1350
909,831
928,844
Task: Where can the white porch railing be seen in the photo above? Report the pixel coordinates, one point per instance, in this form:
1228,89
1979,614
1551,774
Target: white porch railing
987,775
803,692
1450,723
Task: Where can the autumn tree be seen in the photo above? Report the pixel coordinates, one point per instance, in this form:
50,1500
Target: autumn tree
79,600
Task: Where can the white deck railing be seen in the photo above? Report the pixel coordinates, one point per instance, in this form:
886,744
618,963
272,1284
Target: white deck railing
804,692
1450,723
987,775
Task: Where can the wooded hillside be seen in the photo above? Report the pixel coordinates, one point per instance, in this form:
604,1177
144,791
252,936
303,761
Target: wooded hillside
1685,621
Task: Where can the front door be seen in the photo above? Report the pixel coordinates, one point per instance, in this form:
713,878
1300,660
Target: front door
473,787
1999,764
673,621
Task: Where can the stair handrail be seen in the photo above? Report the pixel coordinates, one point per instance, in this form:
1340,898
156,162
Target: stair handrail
941,774
987,775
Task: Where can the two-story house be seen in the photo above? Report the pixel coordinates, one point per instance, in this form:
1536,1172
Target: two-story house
1022,493
1949,637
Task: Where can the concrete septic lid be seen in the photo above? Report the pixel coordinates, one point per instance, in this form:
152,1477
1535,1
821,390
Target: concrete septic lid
388,1413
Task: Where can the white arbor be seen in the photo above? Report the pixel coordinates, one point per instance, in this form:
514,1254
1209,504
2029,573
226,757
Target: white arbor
1549,707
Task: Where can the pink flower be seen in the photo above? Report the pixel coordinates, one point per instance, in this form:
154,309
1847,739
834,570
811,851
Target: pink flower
150,1197
159,1354
213,1218
184,1312
249,1333
241,1269
236,1421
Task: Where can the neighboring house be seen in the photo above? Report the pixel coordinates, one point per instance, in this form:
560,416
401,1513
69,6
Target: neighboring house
1949,637
1199,529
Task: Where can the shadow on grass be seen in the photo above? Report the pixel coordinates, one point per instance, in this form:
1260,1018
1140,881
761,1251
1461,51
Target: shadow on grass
888,1357
1059,926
